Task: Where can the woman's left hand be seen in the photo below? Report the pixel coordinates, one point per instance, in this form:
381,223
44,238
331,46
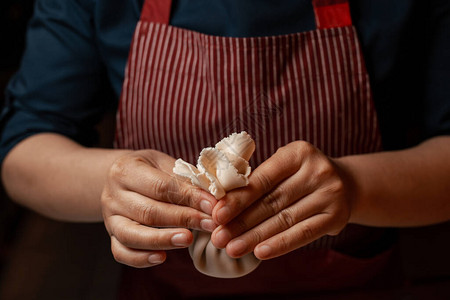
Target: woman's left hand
295,197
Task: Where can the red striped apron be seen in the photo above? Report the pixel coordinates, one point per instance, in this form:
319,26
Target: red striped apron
185,90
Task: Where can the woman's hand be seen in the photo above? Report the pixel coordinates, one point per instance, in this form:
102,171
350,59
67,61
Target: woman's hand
295,197
147,210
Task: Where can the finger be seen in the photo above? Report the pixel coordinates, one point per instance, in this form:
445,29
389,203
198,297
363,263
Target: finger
285,194
161,214
136,258
136,174
134,235
285,219
263,179
295,237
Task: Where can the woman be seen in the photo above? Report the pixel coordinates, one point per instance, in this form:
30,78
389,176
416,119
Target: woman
306,211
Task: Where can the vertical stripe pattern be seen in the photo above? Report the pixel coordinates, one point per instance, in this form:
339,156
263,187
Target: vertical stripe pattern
184,91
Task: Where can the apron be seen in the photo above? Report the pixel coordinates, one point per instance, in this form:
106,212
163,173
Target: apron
185,90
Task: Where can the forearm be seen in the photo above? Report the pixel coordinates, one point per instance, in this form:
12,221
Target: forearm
57,177
401,188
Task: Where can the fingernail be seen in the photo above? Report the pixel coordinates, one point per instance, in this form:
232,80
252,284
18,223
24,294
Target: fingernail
206,207
223,237
238,246
155,259
180,240
223,215
208,225
264,251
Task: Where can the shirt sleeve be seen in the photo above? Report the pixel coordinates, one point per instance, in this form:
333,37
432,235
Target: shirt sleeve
406,46
437,74
61,86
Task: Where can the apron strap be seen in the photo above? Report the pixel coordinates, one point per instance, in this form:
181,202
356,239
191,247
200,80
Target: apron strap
157,11
332,13
328,13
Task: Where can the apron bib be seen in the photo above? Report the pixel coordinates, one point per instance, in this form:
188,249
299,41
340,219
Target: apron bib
185,90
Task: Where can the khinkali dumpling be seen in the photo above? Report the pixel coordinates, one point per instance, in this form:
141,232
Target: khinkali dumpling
220,169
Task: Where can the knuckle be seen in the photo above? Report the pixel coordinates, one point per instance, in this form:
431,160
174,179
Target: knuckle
129,261
117,256
295,153
285,219
160,187
184,195
288,153
184,221
119,169
106,198
194,195
123,237
272,203
188,220
148,154
257,235
323,173
307,232
304,147
173,190
336,187
325,169
265,181
335,231
117,253
284,243
149,214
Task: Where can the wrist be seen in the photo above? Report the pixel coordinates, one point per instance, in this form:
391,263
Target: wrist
352,185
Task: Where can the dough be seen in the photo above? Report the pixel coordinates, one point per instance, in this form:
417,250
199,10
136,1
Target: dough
219,170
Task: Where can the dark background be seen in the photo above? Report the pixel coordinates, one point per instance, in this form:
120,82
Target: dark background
41,258
13,18
45,259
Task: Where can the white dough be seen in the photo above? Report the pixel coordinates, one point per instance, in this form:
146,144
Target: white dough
219,170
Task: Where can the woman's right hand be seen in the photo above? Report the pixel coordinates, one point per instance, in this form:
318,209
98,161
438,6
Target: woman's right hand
147,210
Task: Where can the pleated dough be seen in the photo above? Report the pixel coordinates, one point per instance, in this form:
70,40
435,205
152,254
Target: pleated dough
220,169
215,262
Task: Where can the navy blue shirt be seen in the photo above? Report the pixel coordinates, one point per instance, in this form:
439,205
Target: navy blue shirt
73,65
